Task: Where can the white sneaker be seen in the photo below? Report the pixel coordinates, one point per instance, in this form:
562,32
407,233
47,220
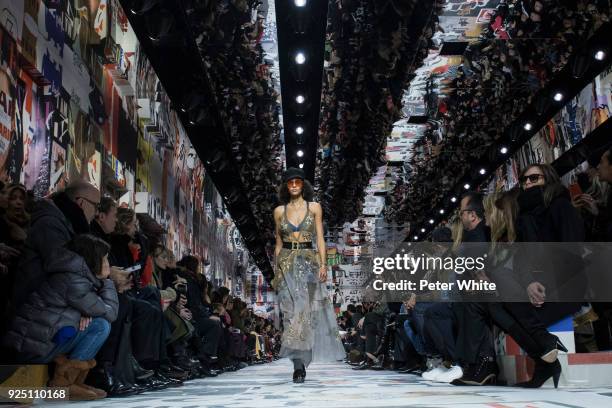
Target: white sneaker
434,373
452,374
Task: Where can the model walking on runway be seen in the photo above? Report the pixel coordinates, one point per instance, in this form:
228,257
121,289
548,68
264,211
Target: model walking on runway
310,328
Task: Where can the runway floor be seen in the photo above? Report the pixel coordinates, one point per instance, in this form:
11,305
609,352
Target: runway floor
336,385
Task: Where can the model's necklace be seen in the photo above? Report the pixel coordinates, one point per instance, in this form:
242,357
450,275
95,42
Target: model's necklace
297,206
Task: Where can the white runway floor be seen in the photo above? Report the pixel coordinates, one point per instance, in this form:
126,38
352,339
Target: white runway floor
336,385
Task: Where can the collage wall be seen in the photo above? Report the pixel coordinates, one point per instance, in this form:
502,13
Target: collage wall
78,99
575,121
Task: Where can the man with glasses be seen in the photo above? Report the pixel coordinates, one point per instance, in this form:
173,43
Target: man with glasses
444,319
54,222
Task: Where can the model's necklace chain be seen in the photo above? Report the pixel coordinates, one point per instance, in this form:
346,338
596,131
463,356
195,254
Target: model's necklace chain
298,206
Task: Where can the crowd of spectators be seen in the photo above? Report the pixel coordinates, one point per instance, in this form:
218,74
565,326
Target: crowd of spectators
89,289
453,341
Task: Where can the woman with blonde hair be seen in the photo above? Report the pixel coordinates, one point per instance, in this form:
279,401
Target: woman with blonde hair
457,232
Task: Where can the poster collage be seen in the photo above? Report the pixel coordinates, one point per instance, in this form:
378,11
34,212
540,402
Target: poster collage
575,121
79,99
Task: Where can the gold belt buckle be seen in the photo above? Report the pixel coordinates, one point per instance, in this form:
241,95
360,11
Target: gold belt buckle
295,245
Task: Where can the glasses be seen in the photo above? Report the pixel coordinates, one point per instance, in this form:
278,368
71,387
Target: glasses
532,178
96,205
295,183
462,211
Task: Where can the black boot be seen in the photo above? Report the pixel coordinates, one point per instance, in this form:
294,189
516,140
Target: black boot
552,349
482,372
102,377
140,373
299,375
543,371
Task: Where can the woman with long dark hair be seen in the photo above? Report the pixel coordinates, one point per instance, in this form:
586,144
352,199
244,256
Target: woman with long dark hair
310,329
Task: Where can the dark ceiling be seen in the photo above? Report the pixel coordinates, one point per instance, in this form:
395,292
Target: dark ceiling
301,29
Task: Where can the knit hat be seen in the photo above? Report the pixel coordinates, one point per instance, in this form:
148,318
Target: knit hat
293,173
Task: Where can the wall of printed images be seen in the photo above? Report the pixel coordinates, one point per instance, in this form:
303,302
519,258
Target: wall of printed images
78,99
575,121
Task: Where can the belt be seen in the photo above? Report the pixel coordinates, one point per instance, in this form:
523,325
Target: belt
297,245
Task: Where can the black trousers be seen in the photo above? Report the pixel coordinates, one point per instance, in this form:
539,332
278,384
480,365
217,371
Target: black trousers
535,320
440,329
110,348
149,328
474,332
116,352
208,332
404,351
374,328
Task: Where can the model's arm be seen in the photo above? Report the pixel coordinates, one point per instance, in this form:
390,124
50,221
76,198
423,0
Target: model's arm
318,212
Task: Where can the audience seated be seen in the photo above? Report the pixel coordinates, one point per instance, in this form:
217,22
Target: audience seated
105,303
67,319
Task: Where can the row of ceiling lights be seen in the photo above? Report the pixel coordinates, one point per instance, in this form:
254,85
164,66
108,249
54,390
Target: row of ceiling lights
300,59
557,96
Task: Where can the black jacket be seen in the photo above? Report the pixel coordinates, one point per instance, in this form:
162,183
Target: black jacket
558,267
97,230
560,221
69,292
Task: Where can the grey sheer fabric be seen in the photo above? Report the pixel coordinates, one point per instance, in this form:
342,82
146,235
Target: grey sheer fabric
310,328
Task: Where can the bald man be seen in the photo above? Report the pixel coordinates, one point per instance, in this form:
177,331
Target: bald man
54,222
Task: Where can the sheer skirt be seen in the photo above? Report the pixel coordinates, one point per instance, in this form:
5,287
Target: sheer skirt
310,328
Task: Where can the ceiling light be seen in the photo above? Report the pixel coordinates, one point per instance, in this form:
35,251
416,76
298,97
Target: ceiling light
503,150
453,199
416,237
299,130
301,165
466,186
300,3
431,221
482,172
600,55
300,58
300,99
442,211
528,126
558,97
423,230
300,153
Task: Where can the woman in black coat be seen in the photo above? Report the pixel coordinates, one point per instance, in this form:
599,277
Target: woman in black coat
67,319
546,215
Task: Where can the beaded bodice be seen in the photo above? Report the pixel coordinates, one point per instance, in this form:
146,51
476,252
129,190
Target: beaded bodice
306,228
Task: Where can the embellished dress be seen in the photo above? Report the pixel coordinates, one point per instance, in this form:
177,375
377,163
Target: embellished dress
310,328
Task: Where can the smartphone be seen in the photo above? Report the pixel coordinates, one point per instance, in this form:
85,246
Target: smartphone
575,190
134,268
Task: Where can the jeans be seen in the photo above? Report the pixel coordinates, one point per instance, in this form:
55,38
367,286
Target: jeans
415,329
84,345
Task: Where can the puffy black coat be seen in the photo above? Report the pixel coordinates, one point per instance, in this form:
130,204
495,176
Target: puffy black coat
70,291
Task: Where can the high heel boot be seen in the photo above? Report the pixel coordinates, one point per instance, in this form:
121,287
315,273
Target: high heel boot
543,371
550,355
